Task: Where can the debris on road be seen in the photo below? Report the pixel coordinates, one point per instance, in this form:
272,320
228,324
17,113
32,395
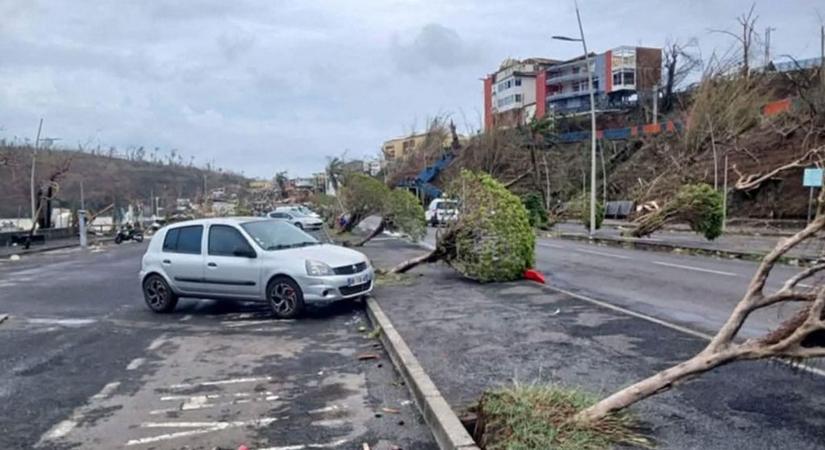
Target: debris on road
367,356
391,410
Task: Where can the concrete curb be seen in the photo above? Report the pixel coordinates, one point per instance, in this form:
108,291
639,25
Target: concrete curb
447,429
667,247
56,247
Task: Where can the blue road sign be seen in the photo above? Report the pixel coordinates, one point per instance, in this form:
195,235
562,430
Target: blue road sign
812,178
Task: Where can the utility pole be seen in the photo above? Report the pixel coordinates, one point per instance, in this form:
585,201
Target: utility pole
34,162
822,53
725,194
768,45
656,103
592,125
82,202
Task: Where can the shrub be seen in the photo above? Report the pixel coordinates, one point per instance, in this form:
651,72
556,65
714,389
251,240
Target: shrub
535,210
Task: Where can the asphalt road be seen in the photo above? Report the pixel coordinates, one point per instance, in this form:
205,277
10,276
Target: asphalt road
84,364
695,291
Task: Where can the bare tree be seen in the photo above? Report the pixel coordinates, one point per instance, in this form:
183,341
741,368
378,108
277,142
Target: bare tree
798,337
746,38
46,192
679,62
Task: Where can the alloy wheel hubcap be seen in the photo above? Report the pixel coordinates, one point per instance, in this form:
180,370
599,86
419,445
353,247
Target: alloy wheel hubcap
156,293
283,298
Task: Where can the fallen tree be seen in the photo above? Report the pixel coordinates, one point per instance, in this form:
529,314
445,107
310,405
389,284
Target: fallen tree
361,196
491,240
797,338
401,212
697,204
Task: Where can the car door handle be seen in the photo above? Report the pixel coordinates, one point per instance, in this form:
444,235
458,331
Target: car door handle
166,261
212,264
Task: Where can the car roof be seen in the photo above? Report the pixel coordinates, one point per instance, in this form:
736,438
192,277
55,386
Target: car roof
218,221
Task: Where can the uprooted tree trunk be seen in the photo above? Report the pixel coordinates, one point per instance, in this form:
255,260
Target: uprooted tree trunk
753,181
44,195
378,230
796,338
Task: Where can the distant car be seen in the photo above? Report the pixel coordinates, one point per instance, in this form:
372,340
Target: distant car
299,220
250,259
300,209
441,211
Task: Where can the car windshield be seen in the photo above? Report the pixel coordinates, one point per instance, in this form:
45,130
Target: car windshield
446,205
277,235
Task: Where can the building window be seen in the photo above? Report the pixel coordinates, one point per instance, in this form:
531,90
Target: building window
576,69
617,78
518,81
518,98
629,78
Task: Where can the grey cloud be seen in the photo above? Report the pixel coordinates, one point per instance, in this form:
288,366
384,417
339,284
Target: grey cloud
435,47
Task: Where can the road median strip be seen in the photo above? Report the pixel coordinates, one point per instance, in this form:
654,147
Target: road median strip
447,429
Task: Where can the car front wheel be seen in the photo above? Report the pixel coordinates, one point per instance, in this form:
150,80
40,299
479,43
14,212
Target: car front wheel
285,297
158,295
299,225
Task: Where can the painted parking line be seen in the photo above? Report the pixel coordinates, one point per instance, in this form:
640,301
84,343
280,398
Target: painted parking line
307,446
697,269
66,426
542,244
220,382
199,428
135,363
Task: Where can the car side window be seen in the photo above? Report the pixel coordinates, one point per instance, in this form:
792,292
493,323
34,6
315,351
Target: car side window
280,215
189,240
225,240
170,242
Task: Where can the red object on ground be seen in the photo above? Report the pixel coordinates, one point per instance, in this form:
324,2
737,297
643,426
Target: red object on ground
243,447
535,275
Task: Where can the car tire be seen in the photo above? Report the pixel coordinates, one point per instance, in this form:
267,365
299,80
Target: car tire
118,239
285,297
158,295
138,238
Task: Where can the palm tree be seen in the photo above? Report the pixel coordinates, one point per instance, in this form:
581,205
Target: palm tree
335,171
281,180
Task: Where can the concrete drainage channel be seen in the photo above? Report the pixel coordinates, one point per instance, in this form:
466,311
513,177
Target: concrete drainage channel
447,429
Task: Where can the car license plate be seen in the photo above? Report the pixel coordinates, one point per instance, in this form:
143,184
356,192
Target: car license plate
351,281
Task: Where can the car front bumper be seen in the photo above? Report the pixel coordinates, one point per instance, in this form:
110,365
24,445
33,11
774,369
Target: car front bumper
337,287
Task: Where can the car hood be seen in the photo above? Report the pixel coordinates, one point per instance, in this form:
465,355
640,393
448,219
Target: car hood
333,255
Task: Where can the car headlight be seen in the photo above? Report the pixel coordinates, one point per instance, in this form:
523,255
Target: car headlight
318,269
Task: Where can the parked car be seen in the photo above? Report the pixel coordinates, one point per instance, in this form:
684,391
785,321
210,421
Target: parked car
251,259
299,220
441,211
300,209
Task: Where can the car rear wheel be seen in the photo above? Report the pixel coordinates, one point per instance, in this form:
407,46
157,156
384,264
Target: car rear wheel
285,297
158,295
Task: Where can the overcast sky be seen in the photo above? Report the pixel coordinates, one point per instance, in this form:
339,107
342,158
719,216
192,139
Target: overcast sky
268,85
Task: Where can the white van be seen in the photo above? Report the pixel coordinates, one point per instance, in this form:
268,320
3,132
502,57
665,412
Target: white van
441,211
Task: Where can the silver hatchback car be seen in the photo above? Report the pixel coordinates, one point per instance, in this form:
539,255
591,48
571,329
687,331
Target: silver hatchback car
249,259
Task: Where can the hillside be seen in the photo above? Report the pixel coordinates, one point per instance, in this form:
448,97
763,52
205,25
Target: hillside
106,179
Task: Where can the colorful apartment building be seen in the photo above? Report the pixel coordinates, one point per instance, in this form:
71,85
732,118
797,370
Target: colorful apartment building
535,87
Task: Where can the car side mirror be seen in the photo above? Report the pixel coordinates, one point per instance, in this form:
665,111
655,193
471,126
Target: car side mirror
243,252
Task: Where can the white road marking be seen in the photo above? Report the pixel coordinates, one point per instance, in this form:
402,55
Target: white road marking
326,409
63,322
106,391
186,317
200,428
697,269
542,244
220,382
670,325
160,340
137,362
196,402
246,323
61,429
305,446
611,255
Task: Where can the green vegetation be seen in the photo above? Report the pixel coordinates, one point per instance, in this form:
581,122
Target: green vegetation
697,204
492,240
362,196
582,210
403,212
535,210
327,206
526,417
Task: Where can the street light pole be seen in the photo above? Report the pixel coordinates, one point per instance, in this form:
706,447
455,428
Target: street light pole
34,162
592,125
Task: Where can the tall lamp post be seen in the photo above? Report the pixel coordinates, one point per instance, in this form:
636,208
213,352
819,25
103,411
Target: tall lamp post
592,118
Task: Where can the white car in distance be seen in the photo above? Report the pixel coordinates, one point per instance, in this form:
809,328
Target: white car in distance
298,219
441,211
249,259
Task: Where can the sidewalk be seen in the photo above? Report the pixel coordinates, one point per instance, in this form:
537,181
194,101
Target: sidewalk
55,244
470,337
731,245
